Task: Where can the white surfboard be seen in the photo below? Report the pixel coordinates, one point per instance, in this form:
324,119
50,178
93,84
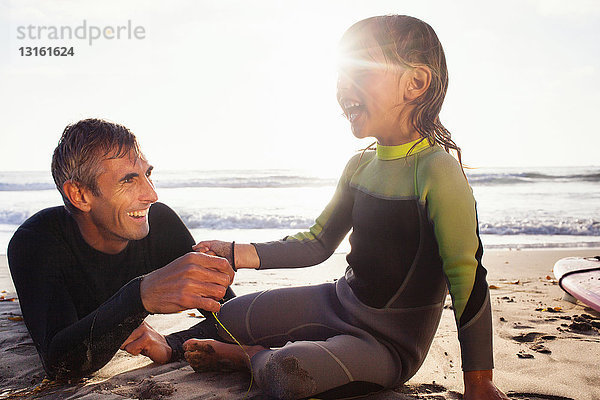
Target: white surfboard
580,277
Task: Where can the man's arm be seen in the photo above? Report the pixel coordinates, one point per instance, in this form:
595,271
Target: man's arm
68,346
71,347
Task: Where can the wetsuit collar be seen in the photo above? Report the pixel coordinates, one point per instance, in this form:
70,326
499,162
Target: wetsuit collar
394,152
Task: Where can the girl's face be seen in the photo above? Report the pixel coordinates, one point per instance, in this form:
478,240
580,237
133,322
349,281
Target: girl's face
370,93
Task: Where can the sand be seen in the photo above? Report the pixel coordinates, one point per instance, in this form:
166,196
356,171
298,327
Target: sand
538,354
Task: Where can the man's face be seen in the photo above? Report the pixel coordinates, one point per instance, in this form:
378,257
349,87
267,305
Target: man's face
120,213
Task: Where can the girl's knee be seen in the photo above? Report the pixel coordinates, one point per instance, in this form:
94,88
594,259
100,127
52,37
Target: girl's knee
283,377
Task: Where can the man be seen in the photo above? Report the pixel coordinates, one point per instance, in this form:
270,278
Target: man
88,273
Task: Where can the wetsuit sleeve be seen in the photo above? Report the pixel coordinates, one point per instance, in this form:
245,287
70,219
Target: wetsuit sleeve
452,210
320,241
68,346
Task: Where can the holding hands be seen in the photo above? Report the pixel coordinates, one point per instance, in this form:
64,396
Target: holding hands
245,254
215,248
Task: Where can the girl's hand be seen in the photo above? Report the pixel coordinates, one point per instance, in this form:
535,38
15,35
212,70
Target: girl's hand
214,248
245,254
479,386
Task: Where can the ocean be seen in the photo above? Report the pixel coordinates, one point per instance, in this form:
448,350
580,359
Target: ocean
517,207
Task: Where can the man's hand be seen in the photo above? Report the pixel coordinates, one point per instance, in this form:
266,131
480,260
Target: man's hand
194,280
479,386
147,342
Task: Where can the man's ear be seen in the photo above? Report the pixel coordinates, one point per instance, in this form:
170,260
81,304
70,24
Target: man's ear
418,81
77,195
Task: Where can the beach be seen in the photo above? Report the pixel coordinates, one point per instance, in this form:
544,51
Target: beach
540,353
267,120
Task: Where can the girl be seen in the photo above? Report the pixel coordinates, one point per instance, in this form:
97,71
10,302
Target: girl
414,236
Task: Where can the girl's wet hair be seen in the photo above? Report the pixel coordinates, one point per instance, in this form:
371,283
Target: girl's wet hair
407,42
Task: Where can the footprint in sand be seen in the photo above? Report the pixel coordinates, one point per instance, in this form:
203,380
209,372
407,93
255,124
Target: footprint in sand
527,337
430,391
535,396
585,323
518,325
147,389
536,339
439,392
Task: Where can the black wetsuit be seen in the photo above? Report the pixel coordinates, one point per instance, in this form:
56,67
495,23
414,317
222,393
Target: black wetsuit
80,304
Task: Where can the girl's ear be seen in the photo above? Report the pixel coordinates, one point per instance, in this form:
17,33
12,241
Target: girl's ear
419,79
77,195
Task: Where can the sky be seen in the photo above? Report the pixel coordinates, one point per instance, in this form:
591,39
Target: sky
251,84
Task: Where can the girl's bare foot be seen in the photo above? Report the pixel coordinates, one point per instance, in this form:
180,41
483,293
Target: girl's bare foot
212,355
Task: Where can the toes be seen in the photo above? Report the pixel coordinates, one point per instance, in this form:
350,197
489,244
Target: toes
198,345
200,355
197,356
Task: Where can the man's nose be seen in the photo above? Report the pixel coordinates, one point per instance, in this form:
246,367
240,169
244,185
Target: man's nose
148,192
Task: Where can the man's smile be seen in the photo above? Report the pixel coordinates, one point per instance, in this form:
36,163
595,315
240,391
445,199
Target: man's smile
138,214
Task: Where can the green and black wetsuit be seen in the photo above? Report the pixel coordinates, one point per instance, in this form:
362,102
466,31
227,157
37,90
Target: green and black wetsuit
414,235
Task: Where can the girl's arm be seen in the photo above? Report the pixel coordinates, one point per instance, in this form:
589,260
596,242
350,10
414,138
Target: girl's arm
452,210
302,249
